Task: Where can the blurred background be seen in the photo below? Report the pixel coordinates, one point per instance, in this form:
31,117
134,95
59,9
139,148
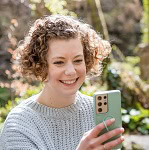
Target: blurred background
125,23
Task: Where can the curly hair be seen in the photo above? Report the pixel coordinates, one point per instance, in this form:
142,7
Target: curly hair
32,53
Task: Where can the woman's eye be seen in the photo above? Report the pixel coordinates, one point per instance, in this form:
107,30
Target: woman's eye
58,62
78,61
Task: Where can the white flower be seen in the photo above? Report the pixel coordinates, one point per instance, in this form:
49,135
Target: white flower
126,118
134,112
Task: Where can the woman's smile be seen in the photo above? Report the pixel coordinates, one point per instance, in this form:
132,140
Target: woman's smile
69,82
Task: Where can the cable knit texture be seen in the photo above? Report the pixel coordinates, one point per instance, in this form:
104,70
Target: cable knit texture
33,126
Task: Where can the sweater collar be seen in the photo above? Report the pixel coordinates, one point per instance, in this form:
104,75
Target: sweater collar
65,112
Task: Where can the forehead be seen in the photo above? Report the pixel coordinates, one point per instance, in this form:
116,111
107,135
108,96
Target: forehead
71,47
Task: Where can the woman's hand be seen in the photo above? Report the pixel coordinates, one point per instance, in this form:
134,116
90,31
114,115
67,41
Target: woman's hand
91,140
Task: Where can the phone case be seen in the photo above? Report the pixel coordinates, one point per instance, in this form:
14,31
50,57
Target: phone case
107,105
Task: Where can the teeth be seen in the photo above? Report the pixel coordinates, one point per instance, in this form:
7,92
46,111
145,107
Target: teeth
69,82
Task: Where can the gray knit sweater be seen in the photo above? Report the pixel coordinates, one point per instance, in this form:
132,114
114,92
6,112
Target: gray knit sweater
33,126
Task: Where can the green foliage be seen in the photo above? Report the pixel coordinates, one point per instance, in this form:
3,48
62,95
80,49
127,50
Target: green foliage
53,6
88,89
32,91
132,64
113,76
136,120
4,96
58,7
6,109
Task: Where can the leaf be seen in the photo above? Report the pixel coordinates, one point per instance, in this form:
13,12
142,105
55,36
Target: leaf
132,125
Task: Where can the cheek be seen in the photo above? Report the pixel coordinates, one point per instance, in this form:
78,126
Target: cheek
83,70
53,73
53,78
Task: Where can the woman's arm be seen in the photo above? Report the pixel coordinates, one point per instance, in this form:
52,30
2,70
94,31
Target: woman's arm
15,140
11,138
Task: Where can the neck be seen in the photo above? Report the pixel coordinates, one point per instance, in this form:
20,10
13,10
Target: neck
54,100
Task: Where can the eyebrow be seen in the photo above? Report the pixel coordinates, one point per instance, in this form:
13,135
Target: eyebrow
64,57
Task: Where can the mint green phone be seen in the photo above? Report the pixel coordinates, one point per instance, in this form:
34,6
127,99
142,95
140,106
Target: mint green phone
107,105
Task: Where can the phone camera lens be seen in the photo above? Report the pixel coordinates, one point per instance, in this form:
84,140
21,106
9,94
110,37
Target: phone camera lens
99,98
105,97
100,109
105,103
99,104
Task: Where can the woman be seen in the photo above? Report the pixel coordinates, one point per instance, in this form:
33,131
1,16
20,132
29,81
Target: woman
59,51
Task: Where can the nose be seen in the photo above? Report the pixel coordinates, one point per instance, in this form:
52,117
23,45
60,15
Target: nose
70,70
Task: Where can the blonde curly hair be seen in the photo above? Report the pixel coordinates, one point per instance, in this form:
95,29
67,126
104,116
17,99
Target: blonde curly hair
32,53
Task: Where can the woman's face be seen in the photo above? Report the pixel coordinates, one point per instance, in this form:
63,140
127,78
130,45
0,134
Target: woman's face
67,68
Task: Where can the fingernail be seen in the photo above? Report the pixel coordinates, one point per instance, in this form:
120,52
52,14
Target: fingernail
122,129
122,138
113,119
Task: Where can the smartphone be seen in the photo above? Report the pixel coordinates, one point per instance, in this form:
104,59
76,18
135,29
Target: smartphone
107,105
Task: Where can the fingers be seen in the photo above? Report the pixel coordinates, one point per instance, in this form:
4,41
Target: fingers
109,135
95,131
91,140
113,143
99,140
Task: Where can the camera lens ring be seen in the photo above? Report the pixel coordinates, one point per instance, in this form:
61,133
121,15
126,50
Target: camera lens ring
99,104
99,98
99,109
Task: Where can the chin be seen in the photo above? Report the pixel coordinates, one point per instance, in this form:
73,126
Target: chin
69,93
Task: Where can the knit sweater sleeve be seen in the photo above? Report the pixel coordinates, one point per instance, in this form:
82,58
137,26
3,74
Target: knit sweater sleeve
16,134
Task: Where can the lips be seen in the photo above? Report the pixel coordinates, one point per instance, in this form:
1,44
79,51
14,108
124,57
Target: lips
69,82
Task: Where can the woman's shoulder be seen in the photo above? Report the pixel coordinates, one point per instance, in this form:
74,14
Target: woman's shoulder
22,112
86,99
